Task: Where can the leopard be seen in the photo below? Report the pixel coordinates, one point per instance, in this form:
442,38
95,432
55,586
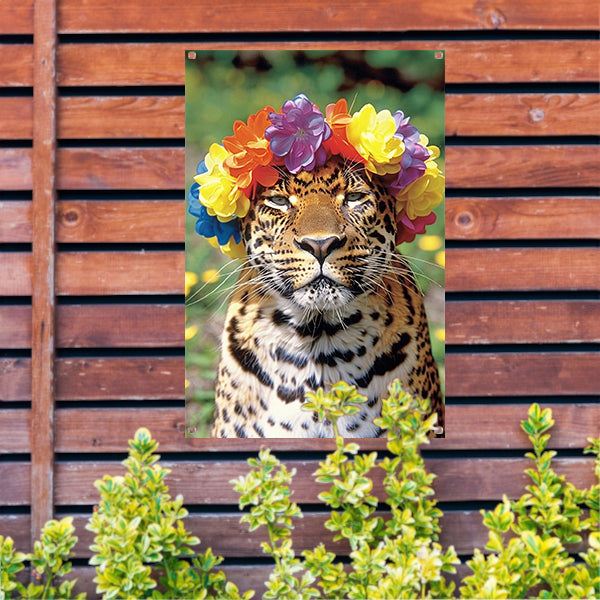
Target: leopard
325,296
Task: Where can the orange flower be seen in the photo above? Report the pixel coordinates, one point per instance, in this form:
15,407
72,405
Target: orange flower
250,151
337,143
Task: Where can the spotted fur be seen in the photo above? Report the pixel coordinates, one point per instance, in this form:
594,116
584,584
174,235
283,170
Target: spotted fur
325,298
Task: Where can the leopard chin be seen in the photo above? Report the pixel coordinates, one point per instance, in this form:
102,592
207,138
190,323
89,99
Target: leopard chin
322,295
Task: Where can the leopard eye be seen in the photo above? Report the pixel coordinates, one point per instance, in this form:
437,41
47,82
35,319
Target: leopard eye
278,202
354,198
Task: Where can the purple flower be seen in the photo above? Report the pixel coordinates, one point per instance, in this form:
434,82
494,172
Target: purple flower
206,225
412,164
297,134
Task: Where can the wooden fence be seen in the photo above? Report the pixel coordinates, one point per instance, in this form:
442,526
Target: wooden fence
92,255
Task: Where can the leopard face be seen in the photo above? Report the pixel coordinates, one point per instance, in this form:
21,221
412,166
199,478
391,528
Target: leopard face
324,297
321,238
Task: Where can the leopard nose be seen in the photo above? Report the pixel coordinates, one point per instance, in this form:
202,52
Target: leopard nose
321,247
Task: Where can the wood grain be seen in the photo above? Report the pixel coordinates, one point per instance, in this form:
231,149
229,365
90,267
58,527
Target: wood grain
17,118
84,326
522,374
121,117
495,269
120,221
120,168
523,321
15,169
108,273
195,16
15,224
149,378
468,427
522,218
372,15
481,61
461,528
43,265
16,268
522,114
208,482
16,64
515,166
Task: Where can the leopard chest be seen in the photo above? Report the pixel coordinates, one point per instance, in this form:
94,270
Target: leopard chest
272,355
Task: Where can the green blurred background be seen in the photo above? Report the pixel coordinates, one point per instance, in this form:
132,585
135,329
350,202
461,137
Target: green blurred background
223,86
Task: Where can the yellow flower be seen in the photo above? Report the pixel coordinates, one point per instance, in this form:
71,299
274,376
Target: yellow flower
230,249
190,332
440,258
191,279
440,334
372,134
421,196
210,276
218,191
187,384
430,242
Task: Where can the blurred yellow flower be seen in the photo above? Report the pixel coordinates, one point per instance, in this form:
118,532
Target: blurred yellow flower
210,276
372,134
191,279
190,332
440,334
230,249
430,242
218,191
440,258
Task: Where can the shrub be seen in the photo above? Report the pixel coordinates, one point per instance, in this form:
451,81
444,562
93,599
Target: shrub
142,549
400,558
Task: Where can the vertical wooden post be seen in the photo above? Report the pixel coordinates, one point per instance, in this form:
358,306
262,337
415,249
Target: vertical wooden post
43,300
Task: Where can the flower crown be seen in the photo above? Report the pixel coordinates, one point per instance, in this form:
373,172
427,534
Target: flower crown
299,137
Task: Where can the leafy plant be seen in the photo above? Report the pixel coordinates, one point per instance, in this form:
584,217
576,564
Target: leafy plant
141,545
527,552
395,559
50,561
541,524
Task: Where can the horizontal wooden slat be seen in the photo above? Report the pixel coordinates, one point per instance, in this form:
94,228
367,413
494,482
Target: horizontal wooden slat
120,168
15,224
522,218
106,273
15,169
15,326
16,488
84,326
121,117
521,322
15,428
163,168
468,428
100,273
366,15
163,116
466,61
522,114
227,537
152,378
16,120
120,221
513,166
522,374
209,482
522,269
136,17
152,326
120,378
16,64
